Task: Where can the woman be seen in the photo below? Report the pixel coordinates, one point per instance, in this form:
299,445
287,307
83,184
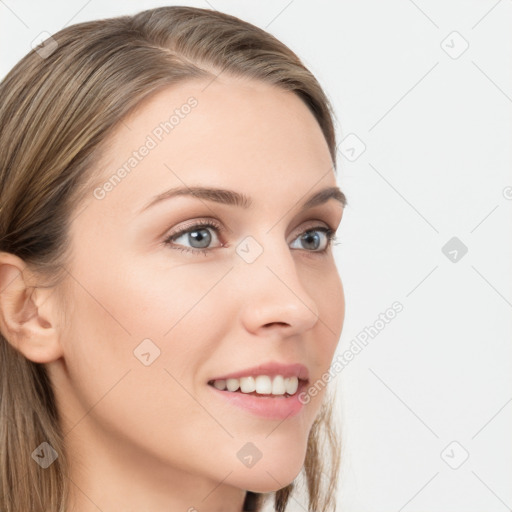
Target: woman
169,300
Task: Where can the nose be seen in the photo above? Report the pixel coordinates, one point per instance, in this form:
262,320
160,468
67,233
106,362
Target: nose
273,295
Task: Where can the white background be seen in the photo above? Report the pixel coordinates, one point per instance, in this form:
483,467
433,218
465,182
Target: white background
437,132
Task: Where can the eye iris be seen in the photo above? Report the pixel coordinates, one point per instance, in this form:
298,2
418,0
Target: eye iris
202,236
310,236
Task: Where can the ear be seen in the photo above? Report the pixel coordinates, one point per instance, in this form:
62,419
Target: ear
28,318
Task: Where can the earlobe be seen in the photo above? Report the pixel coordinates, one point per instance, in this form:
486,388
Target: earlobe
26,312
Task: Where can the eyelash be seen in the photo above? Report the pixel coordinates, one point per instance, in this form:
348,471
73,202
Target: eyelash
331,237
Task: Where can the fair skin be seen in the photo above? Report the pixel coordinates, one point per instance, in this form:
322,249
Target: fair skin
155,438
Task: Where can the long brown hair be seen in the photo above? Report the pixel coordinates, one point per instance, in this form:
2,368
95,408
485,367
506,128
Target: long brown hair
58,104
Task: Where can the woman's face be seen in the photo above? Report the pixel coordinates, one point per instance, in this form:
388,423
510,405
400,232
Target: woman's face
158,309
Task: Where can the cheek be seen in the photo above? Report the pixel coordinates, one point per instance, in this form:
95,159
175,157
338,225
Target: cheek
169,320
328,294
326,289
167,313
334,304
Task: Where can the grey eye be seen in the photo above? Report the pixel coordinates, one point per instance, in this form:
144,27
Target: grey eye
312,239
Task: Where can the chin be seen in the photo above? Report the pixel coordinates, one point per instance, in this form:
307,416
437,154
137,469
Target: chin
263,482
270,483
272,472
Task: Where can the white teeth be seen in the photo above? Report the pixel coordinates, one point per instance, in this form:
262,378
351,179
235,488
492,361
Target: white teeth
291,384
247,385
220,384
262,384
278,387
232,384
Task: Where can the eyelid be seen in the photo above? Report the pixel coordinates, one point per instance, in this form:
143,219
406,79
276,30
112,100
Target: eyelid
314,224
183,228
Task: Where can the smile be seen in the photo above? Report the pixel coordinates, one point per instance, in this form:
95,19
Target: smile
273,397
260,385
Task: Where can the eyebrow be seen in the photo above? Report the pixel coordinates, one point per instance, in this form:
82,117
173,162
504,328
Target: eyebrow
233,198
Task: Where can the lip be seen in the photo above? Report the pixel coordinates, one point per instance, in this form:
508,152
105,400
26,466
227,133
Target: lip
272,368
277,407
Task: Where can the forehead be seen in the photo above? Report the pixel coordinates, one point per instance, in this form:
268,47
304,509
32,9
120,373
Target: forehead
234,131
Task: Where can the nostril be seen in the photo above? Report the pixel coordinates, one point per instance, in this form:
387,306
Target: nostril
277,324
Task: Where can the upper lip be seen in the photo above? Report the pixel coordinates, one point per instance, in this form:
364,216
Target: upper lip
271,369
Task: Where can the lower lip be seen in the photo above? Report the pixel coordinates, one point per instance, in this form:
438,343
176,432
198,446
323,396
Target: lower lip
276,407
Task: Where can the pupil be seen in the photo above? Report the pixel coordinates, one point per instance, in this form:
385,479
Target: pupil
311,236
200,237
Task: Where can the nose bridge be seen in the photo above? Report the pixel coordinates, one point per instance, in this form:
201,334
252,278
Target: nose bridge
271,287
